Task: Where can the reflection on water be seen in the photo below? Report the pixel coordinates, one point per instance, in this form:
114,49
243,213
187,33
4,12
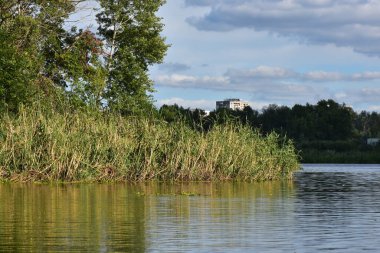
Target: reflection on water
338,208
224,218
320,211
71,218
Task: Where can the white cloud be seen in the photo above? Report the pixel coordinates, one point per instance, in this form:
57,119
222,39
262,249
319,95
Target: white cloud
281,85
368,94
366,76
264,82
361,98
263,79
323,76
188,81
261,72
344,23
341,95
173,67
374,108
277,73
204,104
188,103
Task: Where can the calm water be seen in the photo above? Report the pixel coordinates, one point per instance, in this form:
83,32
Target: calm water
326,209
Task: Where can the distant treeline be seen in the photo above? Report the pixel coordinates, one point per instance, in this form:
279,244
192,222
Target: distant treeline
324,132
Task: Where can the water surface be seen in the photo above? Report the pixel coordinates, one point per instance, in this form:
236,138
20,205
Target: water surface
327,208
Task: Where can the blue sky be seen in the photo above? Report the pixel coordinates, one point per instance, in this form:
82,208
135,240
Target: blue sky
270,52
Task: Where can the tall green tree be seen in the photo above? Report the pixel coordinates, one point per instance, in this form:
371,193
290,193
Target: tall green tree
19,59
32,36
40,55
334,121
17,75
131,31
83,69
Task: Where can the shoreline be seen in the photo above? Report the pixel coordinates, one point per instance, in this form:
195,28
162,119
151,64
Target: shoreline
78,146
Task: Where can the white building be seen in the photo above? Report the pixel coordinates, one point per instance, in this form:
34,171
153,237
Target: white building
373,141
231,103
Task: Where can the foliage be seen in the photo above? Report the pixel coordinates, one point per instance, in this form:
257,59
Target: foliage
177,114
31,35
326,130
131,32
47,58
43,146
84,73
17,74
84,91
327,120
368,124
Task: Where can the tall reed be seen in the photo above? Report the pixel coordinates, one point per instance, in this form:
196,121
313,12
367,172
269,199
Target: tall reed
40,146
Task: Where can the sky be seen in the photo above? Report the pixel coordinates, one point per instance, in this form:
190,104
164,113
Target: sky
282,52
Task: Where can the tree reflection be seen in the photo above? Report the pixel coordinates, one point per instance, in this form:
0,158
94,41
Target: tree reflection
131,217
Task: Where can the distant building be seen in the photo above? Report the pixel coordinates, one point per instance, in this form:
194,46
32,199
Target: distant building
231,103
373,141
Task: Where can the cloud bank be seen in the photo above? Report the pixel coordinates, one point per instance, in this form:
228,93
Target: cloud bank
205,104
173,67
188,103
266,83
255,78
344,23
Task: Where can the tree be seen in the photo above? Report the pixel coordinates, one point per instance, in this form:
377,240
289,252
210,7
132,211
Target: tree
17,74
302,125
170,113
19,59
275,118
249,117
84,73
32,38
105,69
368,124
131,31
334,121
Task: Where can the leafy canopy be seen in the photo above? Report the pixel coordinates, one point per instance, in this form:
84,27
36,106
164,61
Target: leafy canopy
42,59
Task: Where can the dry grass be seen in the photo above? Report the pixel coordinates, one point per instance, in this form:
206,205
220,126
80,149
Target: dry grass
36,146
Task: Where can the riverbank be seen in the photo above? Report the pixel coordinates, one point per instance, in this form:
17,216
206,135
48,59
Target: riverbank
78,146
341,152
338,157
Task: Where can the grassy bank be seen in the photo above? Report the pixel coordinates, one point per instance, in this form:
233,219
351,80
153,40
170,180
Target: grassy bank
36,146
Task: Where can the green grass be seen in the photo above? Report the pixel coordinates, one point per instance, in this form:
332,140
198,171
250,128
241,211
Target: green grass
78,146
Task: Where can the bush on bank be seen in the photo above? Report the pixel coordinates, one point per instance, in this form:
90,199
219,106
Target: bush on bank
79,146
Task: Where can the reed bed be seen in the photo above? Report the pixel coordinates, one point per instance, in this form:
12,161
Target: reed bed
78,146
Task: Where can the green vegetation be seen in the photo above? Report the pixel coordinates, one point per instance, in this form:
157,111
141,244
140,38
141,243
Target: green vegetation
42,146
43,59
75,105
327,132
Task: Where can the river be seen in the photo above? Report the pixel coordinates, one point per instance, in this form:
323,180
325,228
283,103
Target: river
326,208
